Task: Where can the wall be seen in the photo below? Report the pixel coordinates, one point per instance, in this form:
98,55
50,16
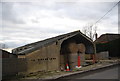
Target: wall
62,62
11,66
21,56
44,59
88,56
4,54
102,55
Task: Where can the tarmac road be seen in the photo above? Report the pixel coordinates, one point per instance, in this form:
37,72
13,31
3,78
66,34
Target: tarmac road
107,74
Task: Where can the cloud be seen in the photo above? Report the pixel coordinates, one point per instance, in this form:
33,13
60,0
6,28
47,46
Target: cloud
59,1
26,22
9,14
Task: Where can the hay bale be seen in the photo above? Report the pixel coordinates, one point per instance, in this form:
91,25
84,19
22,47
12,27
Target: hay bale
87,56
73,60
81,47
73,48
82,58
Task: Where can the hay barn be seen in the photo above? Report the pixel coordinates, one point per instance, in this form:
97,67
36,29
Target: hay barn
54,53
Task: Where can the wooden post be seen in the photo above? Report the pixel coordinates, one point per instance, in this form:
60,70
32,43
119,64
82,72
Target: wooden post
93,58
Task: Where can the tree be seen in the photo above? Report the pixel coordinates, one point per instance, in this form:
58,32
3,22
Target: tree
90,30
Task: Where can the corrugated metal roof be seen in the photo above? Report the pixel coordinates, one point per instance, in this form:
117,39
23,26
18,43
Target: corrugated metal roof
34,46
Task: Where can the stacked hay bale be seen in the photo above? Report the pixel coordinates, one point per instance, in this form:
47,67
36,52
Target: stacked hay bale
73,54
81,48
88,57
73,48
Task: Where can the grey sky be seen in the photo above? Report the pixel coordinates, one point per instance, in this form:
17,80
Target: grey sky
26,22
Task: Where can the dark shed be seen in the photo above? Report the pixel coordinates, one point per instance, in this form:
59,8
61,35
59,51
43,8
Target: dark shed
110,43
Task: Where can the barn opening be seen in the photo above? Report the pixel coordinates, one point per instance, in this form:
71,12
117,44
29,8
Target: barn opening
70,48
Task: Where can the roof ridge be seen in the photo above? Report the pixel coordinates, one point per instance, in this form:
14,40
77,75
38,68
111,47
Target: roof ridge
51,38
48,41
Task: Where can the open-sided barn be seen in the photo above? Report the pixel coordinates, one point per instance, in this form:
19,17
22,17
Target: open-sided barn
54,53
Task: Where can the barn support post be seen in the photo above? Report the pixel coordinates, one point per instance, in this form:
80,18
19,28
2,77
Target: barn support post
94,55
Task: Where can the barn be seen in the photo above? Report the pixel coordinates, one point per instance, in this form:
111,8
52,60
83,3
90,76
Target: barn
108,45
54,53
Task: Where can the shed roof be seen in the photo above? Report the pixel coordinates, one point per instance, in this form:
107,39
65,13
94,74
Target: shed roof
104,38
1,50
36,45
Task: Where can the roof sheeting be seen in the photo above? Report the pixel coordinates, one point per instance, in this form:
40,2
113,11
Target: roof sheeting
34,46
107,38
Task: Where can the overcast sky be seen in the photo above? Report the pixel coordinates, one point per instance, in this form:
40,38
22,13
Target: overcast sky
26,22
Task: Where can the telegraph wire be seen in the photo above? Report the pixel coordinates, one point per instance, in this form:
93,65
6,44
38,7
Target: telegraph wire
106,13
103,17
